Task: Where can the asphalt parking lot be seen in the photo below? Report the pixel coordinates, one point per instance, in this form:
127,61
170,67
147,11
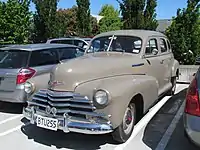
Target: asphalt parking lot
16,133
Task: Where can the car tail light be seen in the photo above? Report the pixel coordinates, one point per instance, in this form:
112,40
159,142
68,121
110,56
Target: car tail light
192,99
24,75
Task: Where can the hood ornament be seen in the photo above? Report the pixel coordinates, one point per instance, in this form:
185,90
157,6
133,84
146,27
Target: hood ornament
53,84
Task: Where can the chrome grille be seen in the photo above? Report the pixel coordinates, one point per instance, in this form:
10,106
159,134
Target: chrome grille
65,102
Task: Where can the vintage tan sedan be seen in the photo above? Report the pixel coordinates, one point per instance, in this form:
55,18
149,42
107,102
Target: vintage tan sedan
107,90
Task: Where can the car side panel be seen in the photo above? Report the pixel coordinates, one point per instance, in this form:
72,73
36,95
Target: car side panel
122,89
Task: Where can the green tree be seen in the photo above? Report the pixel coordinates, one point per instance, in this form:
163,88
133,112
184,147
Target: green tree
45,19
14,21
150,22
66,22
110,20
138,14
184,33
132,13
83,17
95,26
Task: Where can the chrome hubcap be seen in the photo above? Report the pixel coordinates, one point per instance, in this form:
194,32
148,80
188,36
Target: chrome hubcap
129,119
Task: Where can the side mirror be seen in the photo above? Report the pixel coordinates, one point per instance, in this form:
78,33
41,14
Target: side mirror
155,51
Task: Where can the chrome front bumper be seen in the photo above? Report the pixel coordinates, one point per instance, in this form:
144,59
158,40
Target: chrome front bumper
71,124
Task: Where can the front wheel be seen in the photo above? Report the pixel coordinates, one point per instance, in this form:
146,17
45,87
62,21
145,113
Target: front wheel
124,131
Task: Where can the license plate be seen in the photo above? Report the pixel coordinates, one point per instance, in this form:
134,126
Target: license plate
47,123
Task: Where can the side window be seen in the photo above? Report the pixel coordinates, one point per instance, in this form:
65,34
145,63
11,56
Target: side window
43,57
151,45
163,45
169,45
63,41
79,43
70,53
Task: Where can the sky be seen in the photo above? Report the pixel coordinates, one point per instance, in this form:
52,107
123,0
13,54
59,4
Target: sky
166,9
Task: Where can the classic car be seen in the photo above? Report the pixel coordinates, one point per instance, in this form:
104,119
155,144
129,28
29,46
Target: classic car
108,89
21,63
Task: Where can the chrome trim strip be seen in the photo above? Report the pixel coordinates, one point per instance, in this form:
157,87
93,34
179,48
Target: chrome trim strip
68,100
39,99
94,114
36,104
138,65
78,100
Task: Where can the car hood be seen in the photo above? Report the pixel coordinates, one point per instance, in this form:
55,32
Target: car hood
68,75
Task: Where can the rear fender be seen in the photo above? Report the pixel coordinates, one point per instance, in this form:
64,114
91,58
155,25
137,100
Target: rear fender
121,89
175,68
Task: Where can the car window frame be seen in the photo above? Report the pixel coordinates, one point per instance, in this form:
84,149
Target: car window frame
169,46
164,39
60,41
68,47
90,44
84,43
50,49
145,44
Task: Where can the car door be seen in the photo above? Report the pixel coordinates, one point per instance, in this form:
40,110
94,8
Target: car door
165,59
155,68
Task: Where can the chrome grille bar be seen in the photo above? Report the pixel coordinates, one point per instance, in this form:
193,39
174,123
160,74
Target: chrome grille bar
64,102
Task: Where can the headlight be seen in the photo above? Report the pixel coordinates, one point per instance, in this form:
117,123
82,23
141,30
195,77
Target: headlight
101,97
28,87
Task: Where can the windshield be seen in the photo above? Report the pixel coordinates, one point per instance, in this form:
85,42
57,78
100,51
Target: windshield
13,58
128,44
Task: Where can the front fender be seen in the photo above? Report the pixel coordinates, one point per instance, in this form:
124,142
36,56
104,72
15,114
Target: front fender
39,82
175,68
121,90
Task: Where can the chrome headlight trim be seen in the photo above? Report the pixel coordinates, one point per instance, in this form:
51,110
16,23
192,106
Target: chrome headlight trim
29,87
101,102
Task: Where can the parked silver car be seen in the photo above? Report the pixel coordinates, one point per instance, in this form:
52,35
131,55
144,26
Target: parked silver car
20,63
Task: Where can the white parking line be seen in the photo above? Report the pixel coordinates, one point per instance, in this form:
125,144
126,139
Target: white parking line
165,139
10,119
11,130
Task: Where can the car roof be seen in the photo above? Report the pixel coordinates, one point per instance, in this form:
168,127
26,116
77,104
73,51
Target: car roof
69,38
136,32
35,47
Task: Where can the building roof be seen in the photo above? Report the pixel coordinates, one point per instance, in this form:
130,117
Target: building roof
139,33
163,24
34,47
97,17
